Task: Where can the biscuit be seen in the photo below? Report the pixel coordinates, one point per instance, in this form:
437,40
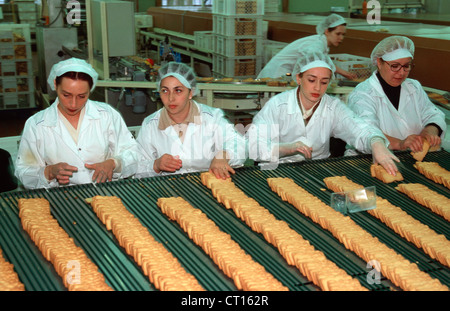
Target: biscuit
161,267
295,250
357,239
418,156
380,172
77,271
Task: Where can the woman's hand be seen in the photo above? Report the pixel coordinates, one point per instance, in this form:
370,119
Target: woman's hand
103,171
349,75
412,142
304,149
289,149
384,157
60,171
431,134
167,163
219,166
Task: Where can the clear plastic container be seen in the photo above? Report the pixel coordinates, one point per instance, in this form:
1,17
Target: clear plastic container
354,201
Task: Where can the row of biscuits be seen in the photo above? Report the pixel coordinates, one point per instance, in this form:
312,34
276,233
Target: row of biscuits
77,271
433,244
436,202
379,172
292,246
433,171
163,269
9,280
399,270
246,273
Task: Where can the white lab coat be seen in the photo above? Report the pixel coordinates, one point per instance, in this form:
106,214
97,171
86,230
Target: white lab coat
201,142
284,61
414,112
46,141
281,121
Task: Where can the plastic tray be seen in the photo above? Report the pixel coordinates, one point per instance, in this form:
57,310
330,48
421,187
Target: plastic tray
227,7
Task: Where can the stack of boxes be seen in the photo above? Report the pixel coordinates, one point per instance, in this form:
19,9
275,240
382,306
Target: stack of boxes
271,6
27,13
237,38
16,69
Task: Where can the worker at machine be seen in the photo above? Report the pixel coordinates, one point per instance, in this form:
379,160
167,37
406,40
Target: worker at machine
75,140
297,124
330,32
185,136
396,104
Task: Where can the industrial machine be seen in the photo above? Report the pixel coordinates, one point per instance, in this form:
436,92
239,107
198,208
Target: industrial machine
52,37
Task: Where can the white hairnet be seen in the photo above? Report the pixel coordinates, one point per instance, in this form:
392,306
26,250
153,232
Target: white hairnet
72,64
331,21
311,59
392,48
182,72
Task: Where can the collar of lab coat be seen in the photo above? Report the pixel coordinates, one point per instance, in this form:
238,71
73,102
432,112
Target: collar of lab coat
50,117
292,101
193,117
377,90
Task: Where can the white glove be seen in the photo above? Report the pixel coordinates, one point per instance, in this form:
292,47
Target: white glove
288,149
383,156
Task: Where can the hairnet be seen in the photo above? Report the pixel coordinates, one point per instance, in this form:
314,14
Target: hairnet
392,48
331,21
311,59
182,72
71,64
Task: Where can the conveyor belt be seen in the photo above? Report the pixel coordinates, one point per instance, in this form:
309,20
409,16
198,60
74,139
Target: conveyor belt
140,196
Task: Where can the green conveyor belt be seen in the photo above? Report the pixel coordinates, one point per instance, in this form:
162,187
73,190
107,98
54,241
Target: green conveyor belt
68,206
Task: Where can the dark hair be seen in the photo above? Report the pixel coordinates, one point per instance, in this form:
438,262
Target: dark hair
332,29
75,76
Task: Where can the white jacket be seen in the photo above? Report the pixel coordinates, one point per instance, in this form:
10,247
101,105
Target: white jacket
46,141
201,142
414,112
283,62
281,121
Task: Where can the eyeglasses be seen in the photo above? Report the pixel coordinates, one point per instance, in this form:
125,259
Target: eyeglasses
395,67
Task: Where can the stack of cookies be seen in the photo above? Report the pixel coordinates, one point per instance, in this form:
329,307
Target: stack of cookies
435,172
380,172
163,269
9,280
246,273
77,271
433,244
292,246
400,271
436,202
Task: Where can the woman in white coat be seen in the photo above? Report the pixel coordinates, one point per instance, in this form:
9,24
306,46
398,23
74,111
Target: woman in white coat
185,136
297,124
75,140
330,32
396,104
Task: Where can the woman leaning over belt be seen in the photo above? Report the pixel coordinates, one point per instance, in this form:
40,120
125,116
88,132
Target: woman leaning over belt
297,124
330,32
395,103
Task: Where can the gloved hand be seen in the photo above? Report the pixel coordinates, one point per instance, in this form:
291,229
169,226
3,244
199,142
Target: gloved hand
381,155
288,149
